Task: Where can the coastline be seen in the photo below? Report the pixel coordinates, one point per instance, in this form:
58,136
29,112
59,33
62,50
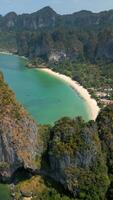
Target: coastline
12,54
6,53
91,103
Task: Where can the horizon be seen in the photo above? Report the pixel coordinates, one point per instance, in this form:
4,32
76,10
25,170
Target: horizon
72,6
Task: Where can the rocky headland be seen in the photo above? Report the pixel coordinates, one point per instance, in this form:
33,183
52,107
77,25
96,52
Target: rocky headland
18,135
75,154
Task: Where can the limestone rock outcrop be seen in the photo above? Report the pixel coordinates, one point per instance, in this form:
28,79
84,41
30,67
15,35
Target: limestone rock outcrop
18,135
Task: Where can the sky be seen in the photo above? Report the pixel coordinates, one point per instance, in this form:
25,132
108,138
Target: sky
60,6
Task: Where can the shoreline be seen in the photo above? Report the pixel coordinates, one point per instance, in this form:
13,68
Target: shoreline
6,53
91,103
12,54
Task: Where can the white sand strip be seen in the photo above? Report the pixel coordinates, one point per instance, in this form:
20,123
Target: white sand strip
6,53
12,54
92,104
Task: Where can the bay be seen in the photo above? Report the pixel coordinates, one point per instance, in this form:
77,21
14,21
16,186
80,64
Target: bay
45,97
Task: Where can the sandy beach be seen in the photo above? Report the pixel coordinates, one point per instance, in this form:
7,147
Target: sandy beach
6,53
10,54
92,106
91,103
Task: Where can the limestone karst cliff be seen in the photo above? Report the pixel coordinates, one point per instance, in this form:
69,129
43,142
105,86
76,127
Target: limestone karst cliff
18,135
76,158
45,34
75,154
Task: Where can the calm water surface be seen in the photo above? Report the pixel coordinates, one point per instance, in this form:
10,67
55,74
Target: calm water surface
45,97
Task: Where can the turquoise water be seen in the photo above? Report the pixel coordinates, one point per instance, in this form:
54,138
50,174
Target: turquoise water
5,192
45,97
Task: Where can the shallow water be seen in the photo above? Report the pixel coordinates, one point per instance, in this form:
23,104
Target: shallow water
5,192
44,96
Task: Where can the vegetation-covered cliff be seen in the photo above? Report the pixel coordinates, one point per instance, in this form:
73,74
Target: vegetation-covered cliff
77,160
54,37
74,159
74,155
18,135
74,45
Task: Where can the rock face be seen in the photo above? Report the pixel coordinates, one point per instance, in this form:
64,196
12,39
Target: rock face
105,124
76,154
105,130
18,135
76,160
45,34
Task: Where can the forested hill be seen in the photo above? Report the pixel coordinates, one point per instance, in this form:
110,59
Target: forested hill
79,36
71,158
